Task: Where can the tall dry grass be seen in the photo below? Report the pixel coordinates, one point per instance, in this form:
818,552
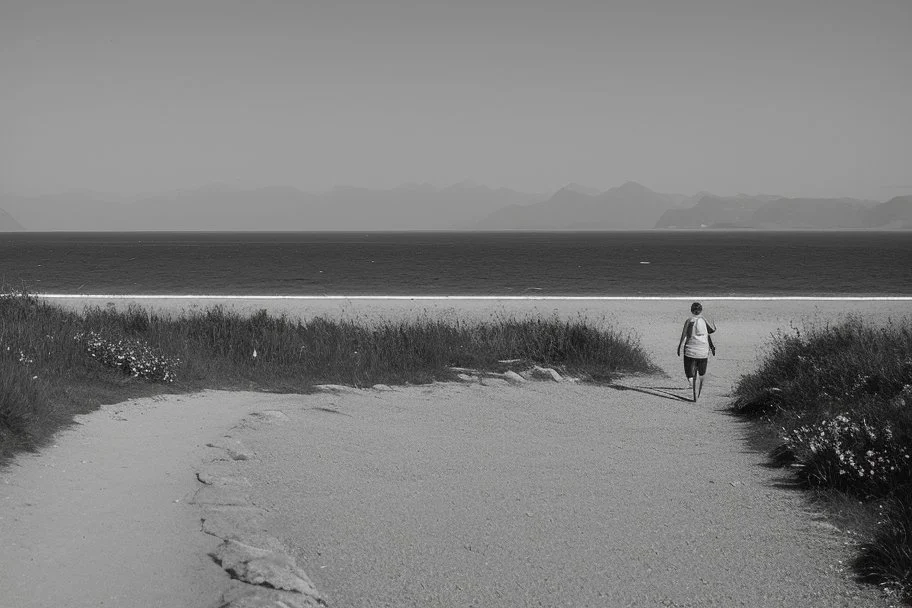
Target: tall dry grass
54,363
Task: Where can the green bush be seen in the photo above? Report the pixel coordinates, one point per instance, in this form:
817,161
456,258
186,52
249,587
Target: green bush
840,399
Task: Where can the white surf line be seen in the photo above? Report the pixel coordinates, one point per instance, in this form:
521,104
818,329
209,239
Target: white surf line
64,296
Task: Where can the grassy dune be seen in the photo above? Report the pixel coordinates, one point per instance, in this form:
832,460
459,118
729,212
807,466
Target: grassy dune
55,363
839,400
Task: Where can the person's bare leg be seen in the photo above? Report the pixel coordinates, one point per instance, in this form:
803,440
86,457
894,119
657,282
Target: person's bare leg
696,379
698,385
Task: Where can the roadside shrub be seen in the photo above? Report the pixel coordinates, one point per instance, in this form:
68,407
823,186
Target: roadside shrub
840,399
831,364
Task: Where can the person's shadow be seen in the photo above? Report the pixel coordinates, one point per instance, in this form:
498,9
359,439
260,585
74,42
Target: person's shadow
655,391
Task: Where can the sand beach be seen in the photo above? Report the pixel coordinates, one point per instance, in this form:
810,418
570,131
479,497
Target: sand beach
470,493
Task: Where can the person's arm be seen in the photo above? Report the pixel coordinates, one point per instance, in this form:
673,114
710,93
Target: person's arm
683,337
712,347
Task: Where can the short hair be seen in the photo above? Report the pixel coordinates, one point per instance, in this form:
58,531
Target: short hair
696,308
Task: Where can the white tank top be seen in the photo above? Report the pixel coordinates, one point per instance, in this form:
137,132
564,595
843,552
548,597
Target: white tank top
697,344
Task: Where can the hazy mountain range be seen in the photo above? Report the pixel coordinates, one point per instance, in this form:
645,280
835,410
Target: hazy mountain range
627,207
463,206
780,213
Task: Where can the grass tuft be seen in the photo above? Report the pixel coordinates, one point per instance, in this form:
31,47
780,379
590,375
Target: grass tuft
887,558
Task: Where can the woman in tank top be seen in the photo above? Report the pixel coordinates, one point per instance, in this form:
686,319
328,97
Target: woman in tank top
697,347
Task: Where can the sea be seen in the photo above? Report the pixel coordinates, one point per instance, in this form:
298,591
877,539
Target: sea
478,264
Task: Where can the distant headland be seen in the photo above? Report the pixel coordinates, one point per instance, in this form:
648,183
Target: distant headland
463,206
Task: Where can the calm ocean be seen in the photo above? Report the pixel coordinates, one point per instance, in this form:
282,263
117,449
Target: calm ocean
654,263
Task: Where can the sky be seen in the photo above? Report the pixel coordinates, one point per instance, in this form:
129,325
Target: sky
792,97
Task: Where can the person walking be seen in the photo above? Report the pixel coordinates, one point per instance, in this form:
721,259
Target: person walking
697,345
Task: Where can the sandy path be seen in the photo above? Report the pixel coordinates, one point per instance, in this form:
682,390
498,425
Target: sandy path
102,518
547,494
544,494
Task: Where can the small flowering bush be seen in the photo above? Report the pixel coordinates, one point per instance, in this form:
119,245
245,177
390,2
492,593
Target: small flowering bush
841,398
851,454
132,356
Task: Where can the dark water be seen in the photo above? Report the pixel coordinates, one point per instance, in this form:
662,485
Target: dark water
739,263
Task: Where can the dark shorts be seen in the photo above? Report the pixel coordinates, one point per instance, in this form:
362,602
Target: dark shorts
688,363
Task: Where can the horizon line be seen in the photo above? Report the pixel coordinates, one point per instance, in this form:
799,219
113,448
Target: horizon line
60,296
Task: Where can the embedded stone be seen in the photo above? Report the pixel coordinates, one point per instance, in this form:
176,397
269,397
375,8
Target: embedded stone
259,566
494,381
235,449
546,373
513,377
335,388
